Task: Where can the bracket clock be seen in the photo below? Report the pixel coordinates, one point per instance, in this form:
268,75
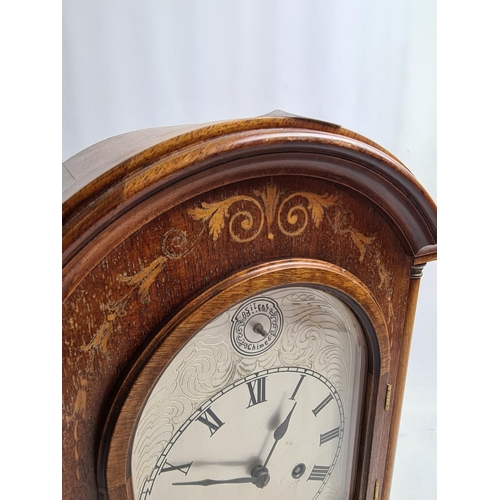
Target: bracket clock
238,304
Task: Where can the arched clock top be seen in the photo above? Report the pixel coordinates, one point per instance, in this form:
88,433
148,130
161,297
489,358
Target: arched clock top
106,180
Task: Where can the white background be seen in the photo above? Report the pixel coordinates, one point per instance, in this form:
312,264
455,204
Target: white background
37,60
368,66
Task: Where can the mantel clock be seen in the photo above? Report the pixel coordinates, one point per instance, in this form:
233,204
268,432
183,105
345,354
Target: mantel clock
238,303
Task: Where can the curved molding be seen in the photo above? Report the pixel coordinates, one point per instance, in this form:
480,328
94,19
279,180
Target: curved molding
202,158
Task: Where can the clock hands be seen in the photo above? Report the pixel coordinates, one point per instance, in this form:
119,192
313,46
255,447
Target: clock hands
279,433
260,474
210,482
260,477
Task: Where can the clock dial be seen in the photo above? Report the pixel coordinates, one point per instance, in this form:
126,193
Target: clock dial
263,402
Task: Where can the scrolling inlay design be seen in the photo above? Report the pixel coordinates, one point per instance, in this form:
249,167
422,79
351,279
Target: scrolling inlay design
273,207
267,202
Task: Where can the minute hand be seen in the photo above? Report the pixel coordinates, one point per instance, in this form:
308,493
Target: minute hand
210,482
279,433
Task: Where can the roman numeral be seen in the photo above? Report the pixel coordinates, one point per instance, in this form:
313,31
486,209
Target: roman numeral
211,420
318,473
292,397
257,389
182,468
322,405
328,436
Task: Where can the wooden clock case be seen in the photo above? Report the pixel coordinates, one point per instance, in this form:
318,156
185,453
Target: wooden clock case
163,227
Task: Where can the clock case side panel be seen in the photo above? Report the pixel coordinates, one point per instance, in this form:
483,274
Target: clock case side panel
114,474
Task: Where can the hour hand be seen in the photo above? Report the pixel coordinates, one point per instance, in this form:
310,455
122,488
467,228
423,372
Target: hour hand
279,433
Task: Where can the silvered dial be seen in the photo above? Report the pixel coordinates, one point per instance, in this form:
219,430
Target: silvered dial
235,415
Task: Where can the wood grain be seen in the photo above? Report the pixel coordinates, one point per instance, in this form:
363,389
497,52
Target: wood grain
156,227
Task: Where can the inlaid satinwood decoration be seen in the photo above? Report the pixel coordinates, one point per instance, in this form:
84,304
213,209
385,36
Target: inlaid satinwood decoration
273,207
271,203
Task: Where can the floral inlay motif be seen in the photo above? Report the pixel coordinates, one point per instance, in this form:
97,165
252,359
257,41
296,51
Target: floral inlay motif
246,217
270,204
